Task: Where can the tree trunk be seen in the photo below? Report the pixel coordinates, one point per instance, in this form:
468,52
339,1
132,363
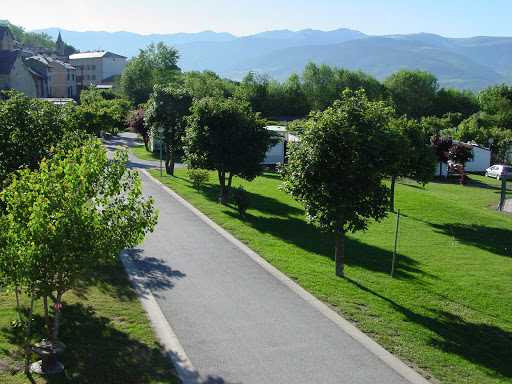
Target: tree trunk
28,350
146,143
392,196
339,253
56,318
222,181
46,316
169,160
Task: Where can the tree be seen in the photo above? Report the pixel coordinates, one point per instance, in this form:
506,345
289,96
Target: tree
167,108
319,85
441,149
411,156
336,169
138,125
208,84
154,65
413,93
96,114
224,135
254,89
76,211
28,129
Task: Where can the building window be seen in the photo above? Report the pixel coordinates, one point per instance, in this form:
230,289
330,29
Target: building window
87,67
87,77
73,76
93,67
68,76
93,77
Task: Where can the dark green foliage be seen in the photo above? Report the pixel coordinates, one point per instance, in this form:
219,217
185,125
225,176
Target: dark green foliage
413,93
154,65
336,170
28,130
241,200
167,108
226,136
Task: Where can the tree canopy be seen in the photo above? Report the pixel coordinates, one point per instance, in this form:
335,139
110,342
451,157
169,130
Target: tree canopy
167,108
336,169
28,129
226,136
157,64
75,211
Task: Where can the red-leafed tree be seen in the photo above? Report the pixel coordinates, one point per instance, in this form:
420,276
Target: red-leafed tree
138,125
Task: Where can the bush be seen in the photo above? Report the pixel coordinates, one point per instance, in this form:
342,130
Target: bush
198,177
241,200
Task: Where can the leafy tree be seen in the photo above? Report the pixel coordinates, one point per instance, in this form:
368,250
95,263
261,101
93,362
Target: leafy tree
167,108
413,93
154,65
293,98
410,154
449,101
319,85
28,129
208,84
96,114
336,169
441,148
76,211
345,79
224,135
138,125
255,89
460,154
496,101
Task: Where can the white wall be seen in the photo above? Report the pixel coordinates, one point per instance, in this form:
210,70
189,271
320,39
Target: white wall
481,160
112,67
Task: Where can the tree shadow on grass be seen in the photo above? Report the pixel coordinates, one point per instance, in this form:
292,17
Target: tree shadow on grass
493,240
309,238
482,344
98,352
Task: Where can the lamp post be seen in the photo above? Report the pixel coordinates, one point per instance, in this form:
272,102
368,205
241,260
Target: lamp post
491,140
160,131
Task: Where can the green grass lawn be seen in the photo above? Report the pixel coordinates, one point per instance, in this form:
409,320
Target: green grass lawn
141,153
447,312
107,335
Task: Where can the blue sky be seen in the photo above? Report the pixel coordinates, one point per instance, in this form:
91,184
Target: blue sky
449,18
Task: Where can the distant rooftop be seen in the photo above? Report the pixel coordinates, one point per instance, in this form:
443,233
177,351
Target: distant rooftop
94,55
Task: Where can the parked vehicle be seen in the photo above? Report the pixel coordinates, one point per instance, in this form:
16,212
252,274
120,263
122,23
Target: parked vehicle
498,171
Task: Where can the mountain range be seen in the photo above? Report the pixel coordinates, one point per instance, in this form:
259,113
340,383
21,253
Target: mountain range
462,63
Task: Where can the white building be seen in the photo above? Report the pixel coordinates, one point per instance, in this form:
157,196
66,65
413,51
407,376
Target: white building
95,67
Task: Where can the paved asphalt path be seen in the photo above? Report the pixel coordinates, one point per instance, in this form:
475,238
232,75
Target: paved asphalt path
239,322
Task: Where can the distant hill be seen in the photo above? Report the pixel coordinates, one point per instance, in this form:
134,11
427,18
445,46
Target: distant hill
472,63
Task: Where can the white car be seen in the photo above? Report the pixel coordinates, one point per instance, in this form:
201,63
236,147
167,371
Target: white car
498,171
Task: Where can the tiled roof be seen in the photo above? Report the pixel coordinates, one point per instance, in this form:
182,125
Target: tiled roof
94,55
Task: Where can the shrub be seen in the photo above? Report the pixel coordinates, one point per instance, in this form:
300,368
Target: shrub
241,200
198,177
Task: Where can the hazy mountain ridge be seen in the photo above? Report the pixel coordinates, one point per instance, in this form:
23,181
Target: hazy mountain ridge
463,63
